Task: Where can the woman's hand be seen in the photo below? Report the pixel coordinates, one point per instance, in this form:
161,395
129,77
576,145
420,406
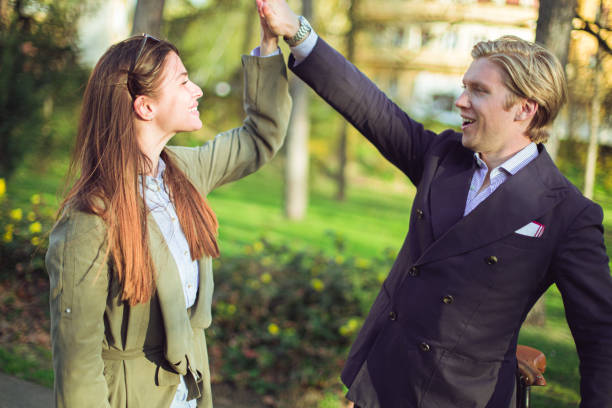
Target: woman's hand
269,40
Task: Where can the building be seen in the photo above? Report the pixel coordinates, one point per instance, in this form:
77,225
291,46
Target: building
417,51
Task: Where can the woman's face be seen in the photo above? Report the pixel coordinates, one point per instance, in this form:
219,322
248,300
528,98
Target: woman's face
176,99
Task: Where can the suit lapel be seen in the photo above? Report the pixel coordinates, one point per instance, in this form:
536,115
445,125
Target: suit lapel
449,194
521,199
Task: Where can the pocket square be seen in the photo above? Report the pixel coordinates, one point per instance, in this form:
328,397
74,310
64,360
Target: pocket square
533,229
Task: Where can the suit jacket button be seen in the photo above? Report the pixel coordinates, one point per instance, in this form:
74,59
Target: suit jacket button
392,315
448,299
420,214
414,271
491,260
424,347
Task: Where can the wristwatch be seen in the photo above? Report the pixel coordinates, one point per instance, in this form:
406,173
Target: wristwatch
302,32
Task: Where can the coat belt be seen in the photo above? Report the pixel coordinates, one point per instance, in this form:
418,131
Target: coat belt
113,354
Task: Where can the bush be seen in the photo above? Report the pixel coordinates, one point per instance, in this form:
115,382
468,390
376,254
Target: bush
23,236
284,318
24,285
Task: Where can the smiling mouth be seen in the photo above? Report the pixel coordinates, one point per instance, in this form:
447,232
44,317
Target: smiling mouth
194,110
467,122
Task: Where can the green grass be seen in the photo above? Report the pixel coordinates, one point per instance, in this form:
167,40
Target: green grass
370,220
28,362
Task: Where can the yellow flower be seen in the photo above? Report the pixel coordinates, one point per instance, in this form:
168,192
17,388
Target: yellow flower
258,246
16,214
2,187
35,241
362,263
231,309
317,284
266,278
35,199
8,236
273,329
35,227
339,259
349,327
31,216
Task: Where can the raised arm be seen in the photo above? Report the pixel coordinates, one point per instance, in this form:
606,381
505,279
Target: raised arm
240,151
79,289
400,139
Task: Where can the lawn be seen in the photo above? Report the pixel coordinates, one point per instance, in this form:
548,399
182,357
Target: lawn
373,219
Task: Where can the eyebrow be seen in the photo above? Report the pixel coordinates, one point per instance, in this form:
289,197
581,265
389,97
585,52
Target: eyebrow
475,84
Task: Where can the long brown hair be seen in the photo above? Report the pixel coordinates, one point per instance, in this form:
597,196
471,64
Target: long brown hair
109,162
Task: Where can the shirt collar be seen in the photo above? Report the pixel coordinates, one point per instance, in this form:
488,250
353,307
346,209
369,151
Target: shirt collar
514,163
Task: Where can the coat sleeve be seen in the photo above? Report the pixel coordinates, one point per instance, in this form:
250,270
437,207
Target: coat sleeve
400,139
79,287
240,151
583,278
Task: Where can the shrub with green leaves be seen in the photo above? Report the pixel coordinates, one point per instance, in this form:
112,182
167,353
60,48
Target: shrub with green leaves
285,317
23,231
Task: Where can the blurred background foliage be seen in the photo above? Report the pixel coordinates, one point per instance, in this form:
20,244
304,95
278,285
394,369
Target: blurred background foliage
289,303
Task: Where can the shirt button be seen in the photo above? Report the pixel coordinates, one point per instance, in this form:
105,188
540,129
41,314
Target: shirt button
420,214
189,286
448,299
414,271
392,315
491,260
424,347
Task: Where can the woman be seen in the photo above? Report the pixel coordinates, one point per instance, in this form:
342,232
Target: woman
130,258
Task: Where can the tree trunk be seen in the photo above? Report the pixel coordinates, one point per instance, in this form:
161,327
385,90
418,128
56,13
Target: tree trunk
148,17
343,136
589,176
553,32
296,166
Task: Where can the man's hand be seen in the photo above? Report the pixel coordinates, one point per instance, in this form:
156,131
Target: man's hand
281,20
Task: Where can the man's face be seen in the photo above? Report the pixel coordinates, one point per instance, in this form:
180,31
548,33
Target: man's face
489,127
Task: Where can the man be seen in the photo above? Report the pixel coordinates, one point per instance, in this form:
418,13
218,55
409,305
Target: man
493,225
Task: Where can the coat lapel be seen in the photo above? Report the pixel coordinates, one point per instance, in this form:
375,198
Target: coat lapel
449,193
523,198
170,293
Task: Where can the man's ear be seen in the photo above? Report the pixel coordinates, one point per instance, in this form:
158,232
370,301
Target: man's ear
143,106
527,110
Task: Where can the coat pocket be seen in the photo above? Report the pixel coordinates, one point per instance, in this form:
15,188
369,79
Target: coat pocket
461,382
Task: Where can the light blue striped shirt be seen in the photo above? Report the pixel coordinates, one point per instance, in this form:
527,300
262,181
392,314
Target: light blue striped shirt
498,175
162,209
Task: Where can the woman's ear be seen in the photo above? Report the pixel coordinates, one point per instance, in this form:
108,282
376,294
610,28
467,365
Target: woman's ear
144,108
527,110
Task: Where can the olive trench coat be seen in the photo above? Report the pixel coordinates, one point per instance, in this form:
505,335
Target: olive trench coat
108,354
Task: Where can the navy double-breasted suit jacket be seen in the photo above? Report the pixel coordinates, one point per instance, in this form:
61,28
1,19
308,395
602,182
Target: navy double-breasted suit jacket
443,330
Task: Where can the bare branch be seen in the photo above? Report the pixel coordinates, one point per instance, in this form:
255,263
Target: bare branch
595,30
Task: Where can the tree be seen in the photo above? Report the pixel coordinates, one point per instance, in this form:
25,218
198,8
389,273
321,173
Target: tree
296,165
39,70
553,31
589,177
342,143
148,17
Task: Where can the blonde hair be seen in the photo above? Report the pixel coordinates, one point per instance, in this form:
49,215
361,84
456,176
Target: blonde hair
532,72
